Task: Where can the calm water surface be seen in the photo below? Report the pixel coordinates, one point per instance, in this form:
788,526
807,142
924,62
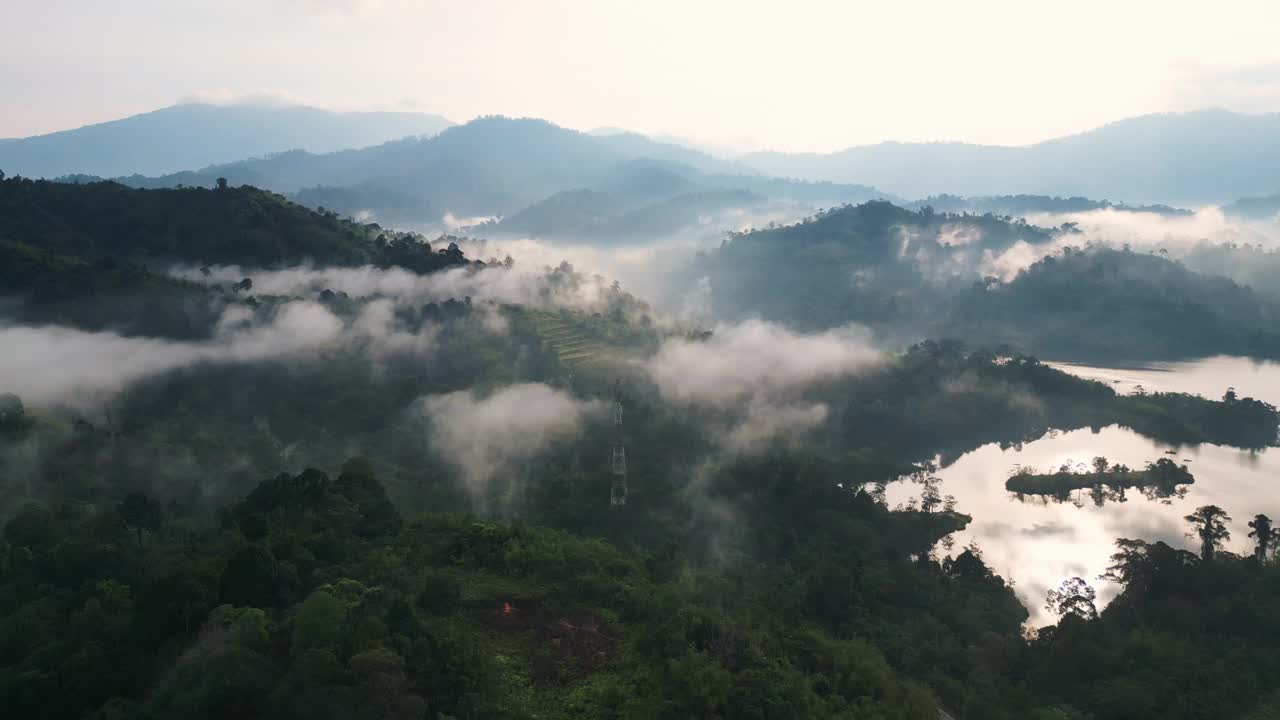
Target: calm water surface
1039,543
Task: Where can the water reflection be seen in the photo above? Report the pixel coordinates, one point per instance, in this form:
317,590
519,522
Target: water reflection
1039,543
1209,377
1101,481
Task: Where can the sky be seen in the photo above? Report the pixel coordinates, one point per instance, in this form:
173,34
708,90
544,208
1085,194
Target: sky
799,75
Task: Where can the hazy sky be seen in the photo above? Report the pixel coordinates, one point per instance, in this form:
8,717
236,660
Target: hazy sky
795,75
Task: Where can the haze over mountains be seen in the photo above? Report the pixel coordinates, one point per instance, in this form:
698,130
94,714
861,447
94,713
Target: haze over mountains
392,163
1194,158
497,166
194,135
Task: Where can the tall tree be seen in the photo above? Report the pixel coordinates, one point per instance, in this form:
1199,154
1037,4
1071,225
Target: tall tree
140,513
1263,534
1073,597
930,497
1209,523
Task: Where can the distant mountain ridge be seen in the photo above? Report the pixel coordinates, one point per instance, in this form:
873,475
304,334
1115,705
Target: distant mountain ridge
495,166
1025,205
642,200
1205,156
194,135
1255,208
517,151
1185,159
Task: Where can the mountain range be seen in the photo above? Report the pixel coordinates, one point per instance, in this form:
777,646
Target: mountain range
416,168
497,166
194,135
1192,158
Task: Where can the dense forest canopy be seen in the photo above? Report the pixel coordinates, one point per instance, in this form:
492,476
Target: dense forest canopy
258,460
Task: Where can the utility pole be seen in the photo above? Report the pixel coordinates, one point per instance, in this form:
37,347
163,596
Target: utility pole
618,488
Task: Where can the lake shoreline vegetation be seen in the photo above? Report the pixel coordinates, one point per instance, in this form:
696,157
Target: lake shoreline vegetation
287,538
1162,478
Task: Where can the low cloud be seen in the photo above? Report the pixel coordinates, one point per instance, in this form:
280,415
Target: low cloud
61,366
1142,231
253,98
655,271
485,435
377,324
1147,230
756,373
453,222
542,287
52,365
764,421
1048,530
756,359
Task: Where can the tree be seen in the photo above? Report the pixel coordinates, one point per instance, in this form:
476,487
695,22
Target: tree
440,593
1209,523
378,516
12,413
34,527
1263,534
967,565
319,622
222,183
139,513
930,497
1073,597
250,578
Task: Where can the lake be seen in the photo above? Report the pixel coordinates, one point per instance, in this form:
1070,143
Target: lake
1038,543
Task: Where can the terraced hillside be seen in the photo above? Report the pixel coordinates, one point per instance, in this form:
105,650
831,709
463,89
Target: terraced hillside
576,347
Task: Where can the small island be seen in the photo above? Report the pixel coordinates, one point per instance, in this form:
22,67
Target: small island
1161,479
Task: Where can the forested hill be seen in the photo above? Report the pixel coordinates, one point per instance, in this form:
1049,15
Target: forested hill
929,274
874,263
95,255
1103,303
228,225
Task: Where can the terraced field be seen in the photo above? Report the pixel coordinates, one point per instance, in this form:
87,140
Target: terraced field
574,346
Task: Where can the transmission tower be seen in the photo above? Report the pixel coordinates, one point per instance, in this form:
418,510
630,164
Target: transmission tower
618,489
